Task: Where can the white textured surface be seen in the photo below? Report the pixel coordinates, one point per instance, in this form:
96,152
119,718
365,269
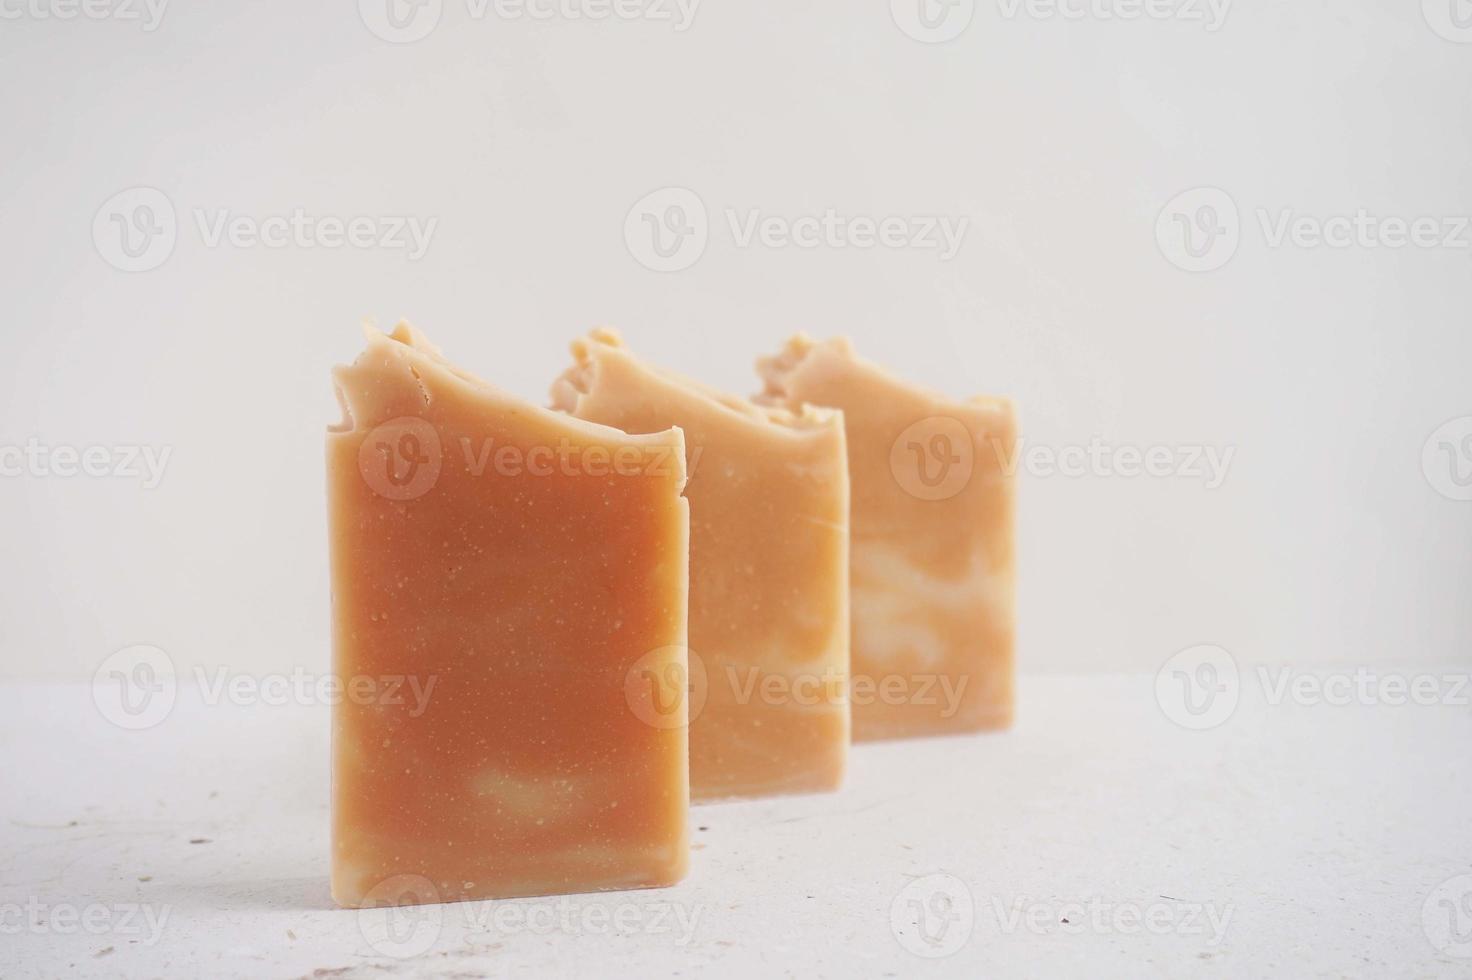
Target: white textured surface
1315,834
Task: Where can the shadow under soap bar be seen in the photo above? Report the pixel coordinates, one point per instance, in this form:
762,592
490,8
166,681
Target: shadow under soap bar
498,587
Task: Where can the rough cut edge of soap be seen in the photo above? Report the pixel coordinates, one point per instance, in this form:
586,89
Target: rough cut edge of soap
777,372
579,380
420,358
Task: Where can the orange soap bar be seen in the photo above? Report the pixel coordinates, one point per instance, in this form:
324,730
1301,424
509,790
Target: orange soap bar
769,612
932,550
503,579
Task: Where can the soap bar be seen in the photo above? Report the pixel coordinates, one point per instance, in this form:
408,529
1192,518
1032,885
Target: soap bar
769,616
932,552
504,578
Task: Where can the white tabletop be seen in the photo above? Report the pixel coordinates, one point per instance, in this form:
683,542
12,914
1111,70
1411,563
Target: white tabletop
1296,840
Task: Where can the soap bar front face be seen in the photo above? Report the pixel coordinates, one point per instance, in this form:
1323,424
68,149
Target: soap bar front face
769,615
932,563
506,571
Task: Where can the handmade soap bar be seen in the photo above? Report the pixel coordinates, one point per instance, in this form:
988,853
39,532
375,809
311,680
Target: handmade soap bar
932,549
768,570
505,579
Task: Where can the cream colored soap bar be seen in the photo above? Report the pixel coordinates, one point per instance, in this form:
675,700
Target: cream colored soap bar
504,580
932,565
768,571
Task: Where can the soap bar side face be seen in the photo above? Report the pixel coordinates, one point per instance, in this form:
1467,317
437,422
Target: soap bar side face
933,515
482,557
769,616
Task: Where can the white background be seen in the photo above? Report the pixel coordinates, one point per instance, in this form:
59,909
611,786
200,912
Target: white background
1061,140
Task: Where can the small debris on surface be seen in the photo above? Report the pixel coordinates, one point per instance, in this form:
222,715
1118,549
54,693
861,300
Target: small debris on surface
200,840
145,878
101,953
702,828
290,935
